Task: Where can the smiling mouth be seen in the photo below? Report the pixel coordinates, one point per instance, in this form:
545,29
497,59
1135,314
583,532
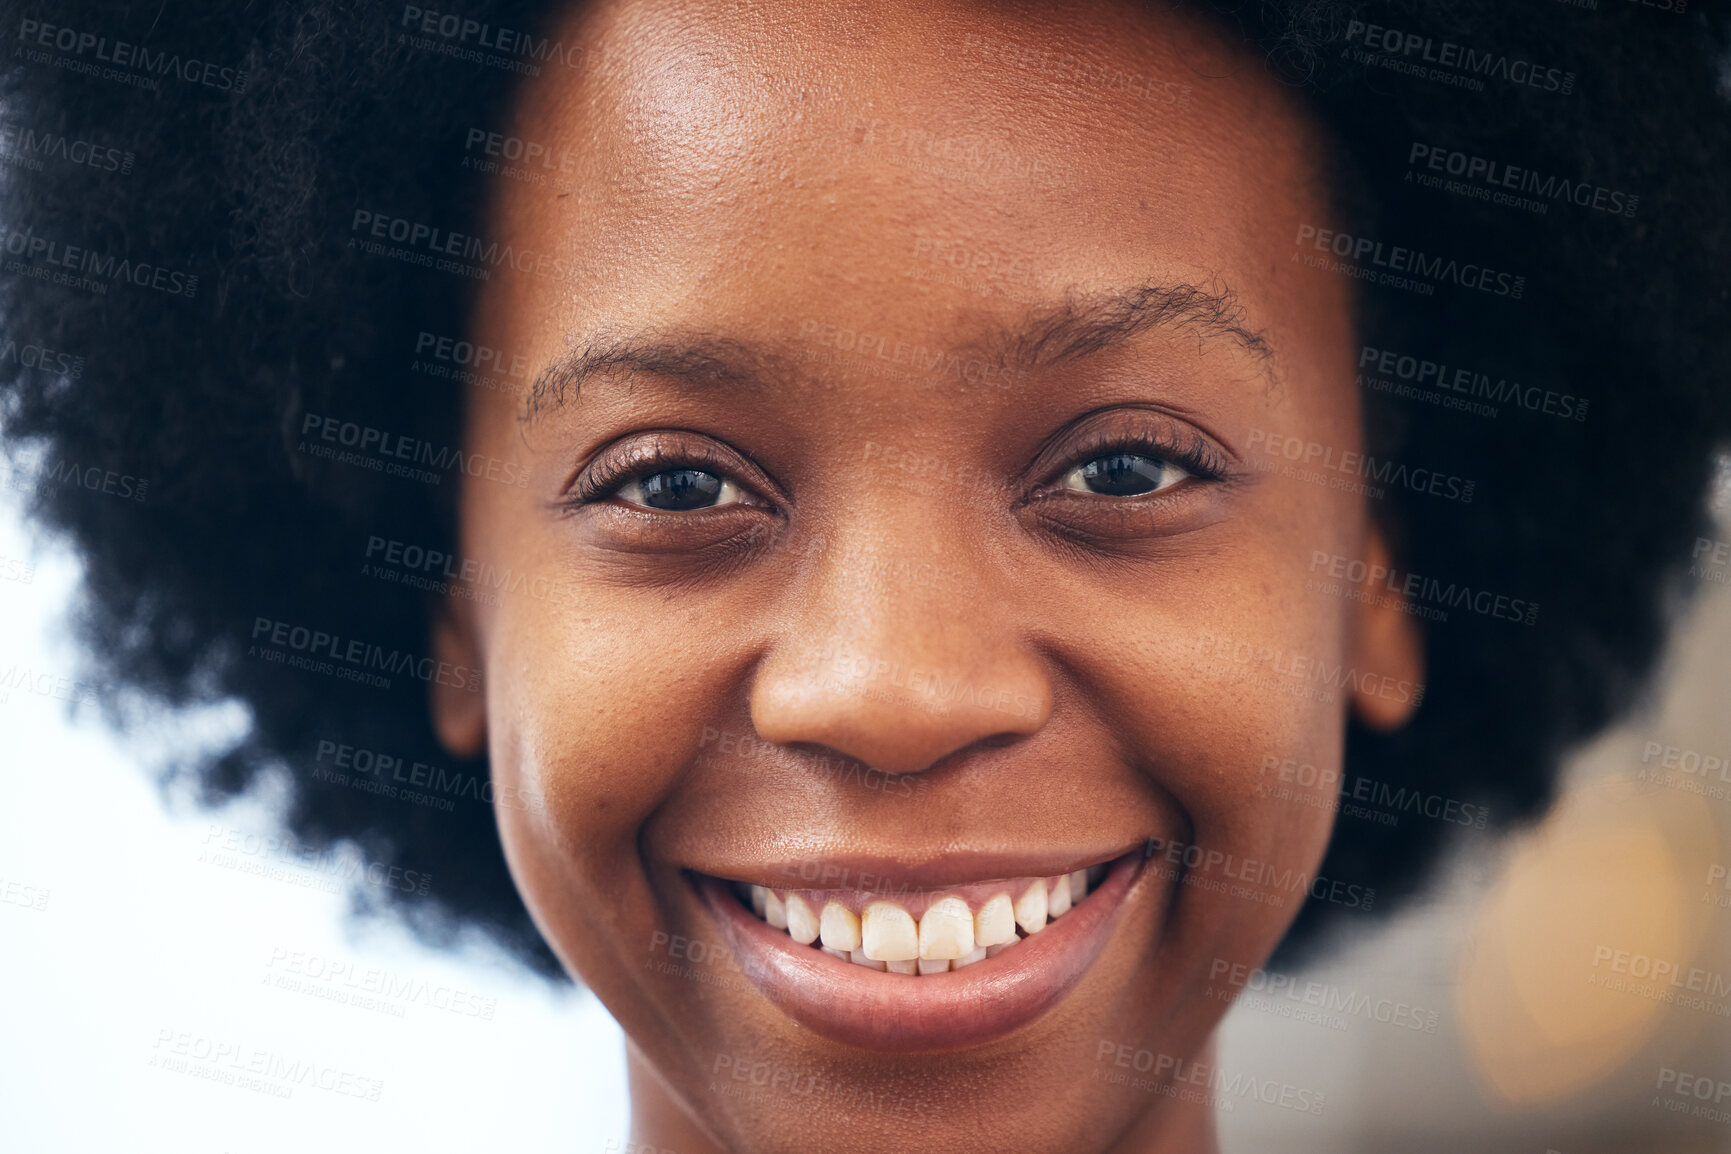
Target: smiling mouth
923,968
920,932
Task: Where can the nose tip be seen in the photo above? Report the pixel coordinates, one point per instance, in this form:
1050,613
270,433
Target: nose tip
895,716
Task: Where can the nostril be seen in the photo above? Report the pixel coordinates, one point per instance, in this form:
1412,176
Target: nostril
898,713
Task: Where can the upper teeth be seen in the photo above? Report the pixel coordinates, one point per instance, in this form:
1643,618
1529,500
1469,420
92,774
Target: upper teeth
948,935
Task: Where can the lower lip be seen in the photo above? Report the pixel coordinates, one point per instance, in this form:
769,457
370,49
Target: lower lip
900,1013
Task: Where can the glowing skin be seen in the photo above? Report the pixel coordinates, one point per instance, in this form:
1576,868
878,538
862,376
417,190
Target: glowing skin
885,524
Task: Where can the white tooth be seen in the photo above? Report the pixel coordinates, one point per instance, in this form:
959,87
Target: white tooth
887,933
759,897
947,929
842,954
995,924
933,965
774,912
801,922
859,959
1078,886
1058,903
908,967
839,927
979,955
1031,908
994,951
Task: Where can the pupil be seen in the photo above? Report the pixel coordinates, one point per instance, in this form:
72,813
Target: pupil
1122,475
680,490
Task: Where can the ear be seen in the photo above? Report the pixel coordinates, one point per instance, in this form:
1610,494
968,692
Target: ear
458,704
1388,643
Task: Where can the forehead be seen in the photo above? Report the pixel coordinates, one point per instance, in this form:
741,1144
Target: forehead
775,167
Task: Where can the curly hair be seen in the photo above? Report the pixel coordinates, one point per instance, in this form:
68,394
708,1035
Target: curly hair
201,176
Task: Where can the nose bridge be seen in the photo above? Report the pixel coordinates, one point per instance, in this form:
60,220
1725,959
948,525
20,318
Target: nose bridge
899,650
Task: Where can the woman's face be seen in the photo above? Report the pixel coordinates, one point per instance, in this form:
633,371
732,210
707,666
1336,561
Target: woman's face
902,527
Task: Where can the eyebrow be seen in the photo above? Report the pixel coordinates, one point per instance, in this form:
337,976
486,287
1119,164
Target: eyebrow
1079,326
697,360
1085,324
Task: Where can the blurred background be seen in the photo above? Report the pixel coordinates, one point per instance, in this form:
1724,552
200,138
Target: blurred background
1567,989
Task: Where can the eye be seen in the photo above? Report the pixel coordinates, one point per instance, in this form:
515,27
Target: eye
680,490
1123,474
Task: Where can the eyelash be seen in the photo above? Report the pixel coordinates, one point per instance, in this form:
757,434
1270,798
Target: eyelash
603,479
608,474
1188,450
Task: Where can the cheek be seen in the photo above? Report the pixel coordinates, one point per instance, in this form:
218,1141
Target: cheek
592,711
1225,675
597,711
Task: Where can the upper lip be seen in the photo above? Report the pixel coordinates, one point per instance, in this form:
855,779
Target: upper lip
962,867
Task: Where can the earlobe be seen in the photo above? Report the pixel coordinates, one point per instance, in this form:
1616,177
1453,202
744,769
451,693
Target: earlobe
1389,647
458,703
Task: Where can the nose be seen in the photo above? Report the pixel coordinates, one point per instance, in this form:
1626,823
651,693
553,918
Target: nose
899,658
